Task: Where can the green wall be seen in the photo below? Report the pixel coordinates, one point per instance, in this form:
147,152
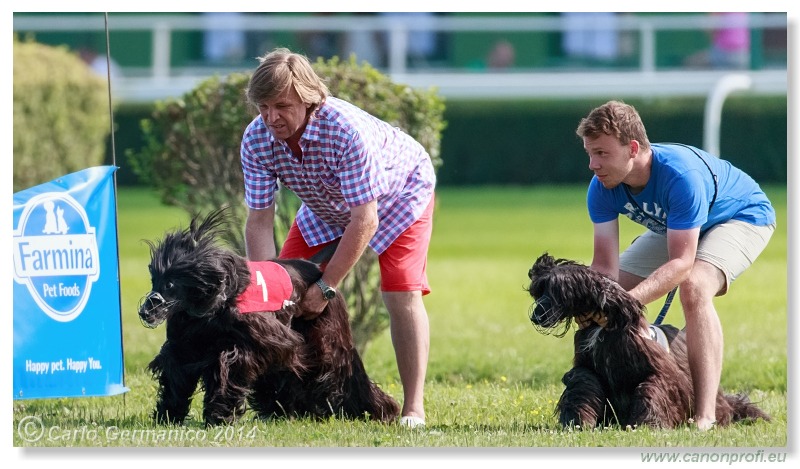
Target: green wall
530,142
534,141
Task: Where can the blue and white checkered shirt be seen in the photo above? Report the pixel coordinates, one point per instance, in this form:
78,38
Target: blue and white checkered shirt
349,158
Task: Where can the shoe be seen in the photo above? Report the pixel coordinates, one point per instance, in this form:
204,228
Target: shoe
706,426
411,422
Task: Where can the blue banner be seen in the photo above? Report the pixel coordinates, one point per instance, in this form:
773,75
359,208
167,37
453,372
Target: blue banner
67,314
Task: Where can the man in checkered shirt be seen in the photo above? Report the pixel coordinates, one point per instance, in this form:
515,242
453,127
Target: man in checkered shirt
362,182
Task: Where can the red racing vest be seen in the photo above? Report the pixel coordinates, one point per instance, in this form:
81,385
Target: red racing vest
270,288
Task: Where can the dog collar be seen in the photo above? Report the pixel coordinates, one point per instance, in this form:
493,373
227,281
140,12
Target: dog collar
657,335
587,319
270,288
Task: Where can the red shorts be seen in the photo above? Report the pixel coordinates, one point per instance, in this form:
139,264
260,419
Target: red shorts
403,264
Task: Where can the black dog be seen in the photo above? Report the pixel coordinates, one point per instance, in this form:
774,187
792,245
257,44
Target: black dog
619,373
279,364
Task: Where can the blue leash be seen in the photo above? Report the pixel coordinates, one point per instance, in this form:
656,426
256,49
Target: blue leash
666,306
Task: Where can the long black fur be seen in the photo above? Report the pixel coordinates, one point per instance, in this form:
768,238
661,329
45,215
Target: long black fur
279,364
618,374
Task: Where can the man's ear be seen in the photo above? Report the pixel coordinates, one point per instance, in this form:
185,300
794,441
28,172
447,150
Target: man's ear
634,148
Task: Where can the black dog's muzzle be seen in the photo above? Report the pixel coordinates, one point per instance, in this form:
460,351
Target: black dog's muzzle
546,316
542,311
149,307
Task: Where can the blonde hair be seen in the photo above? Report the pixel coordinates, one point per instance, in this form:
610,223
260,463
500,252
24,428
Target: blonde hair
617,119
281,69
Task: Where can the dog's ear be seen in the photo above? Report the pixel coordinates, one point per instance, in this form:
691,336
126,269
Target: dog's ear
209,281
617,304
237,275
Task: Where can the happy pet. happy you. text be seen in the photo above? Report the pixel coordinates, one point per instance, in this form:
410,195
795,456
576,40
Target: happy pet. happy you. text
77,366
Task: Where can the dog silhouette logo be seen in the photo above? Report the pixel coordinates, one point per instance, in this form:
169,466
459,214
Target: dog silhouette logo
56,254
54,222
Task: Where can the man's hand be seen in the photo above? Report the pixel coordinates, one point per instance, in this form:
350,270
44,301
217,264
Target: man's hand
313,304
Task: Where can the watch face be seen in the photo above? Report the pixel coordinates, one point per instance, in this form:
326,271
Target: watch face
327,292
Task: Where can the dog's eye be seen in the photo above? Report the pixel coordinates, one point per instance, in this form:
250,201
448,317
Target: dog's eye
170,285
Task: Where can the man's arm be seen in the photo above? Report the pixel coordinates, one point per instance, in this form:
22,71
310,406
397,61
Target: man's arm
361,228
682,247
259,234
606,249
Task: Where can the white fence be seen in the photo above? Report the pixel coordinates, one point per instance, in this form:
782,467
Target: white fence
162,81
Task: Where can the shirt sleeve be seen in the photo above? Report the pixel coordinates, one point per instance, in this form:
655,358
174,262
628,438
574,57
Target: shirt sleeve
600,202
260,183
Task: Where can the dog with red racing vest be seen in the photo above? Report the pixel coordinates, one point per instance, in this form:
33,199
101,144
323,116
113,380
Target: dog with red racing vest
235,328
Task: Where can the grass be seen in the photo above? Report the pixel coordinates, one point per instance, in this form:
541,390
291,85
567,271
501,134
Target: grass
492,380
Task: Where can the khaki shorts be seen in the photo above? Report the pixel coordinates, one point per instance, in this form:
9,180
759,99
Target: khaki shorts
731,247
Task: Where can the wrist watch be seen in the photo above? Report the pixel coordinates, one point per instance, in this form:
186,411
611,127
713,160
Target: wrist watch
328,292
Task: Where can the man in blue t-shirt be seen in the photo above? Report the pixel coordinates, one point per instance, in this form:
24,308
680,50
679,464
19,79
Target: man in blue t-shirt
706,222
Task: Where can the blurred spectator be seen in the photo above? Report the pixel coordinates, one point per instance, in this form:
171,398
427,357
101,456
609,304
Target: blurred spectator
224,45
501,56
98,63
325,44
730,44
421,45
365,44
590,37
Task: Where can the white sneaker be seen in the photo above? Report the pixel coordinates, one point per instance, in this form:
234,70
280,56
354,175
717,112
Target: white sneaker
411,422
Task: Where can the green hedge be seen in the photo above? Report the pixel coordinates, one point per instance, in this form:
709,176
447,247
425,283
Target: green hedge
61,119
532,142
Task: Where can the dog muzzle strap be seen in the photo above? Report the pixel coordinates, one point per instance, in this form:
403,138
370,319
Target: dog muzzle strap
270,288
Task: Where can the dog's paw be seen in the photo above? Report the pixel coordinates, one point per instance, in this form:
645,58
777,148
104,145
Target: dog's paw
221,418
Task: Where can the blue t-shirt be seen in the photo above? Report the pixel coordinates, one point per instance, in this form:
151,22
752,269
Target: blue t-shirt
678,194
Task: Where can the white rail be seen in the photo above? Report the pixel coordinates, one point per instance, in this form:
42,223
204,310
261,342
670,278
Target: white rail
162,80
